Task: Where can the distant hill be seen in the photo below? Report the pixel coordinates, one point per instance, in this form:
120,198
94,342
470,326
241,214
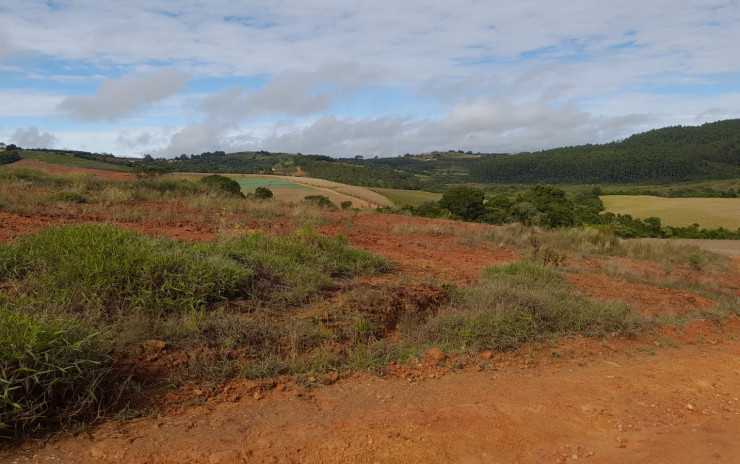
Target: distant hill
672,154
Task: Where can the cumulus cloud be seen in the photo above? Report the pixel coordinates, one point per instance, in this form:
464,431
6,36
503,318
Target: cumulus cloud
286,94
5,47
118,98
481,125
198,137
291,92
33,138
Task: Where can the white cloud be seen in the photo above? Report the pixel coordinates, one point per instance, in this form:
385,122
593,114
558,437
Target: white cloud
197,137
285,94
124,96
33,138
23,103
291,92
6,49
492,76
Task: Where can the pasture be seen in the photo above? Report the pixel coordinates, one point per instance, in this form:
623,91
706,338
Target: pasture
408,197
707,212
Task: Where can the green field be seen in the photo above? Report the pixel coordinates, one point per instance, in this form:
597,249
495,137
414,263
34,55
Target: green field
282,189
68,160
707,212
407,197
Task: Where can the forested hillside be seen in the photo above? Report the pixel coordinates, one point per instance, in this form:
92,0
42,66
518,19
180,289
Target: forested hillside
672,154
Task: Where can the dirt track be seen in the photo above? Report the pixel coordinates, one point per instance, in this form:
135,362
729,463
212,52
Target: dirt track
679,405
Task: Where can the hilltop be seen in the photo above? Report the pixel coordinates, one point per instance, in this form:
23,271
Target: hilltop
672,154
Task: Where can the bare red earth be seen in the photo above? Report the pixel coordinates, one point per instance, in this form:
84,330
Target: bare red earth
56,169
669,396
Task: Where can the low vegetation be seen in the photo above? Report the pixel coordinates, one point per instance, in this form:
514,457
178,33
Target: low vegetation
517,303
682,212
79,303
81,292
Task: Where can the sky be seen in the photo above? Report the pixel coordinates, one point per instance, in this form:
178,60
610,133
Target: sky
381,78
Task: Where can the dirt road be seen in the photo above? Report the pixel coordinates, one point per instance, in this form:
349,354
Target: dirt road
679,404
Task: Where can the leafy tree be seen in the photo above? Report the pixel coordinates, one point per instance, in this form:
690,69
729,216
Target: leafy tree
551,205
464,202
223,184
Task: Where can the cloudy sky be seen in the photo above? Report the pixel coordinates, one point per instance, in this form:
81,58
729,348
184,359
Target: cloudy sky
168,77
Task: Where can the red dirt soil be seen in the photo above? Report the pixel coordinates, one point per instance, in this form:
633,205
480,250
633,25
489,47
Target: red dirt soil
56,169
670,396
648,300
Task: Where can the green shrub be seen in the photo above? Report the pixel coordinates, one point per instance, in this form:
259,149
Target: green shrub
346,204
52,373
321,201
521,302
222,184
262,193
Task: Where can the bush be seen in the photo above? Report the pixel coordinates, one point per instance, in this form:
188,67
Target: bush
346,204
52,373
8,157
521,302
222,184
262,193
321,201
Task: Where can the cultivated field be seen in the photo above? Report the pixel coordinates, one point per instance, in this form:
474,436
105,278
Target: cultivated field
66,160
294,189
242,330
725,247
408,197
707,212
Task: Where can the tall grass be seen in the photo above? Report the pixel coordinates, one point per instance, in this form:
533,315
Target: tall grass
83,291
106,270
52,372
517,303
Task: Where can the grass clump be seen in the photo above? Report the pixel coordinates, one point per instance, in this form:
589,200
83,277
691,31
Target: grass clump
110,289
52,372
70,197
101,269
521,302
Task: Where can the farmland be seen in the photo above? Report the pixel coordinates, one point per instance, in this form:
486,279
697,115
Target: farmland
294,189
707,212
408,197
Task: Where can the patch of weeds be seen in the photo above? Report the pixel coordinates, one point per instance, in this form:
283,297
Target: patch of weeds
70,197
647,350
517,303
52,372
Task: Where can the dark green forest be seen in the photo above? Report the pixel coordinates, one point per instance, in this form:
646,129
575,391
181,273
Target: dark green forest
672,154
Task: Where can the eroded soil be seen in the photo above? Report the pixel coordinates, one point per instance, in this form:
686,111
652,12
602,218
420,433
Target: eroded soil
667,396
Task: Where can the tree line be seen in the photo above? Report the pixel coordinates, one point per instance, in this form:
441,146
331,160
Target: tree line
550,207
